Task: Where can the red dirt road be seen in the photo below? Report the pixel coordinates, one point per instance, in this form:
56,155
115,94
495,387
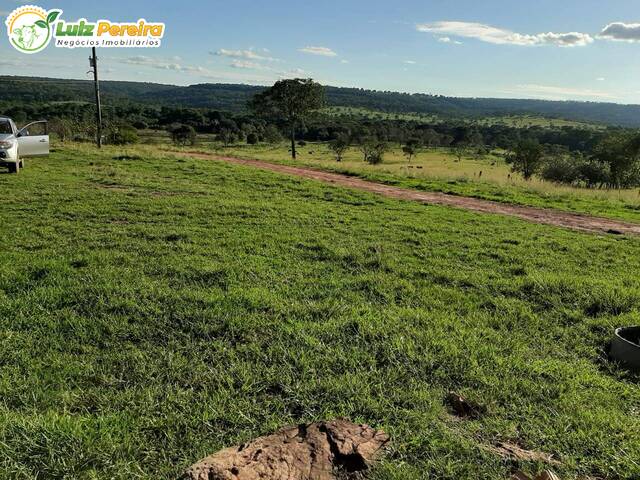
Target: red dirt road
546,216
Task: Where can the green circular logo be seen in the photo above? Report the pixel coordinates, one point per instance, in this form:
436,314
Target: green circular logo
30,28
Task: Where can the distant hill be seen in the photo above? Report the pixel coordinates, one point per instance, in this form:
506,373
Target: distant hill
232,97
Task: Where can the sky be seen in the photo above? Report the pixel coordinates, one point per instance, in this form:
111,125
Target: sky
585,50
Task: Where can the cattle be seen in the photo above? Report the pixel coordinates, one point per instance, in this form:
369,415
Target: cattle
26,35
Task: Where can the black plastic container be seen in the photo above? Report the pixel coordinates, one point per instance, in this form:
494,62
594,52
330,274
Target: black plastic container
625,347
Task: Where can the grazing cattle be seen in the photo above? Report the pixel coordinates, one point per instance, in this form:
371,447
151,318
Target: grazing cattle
26,35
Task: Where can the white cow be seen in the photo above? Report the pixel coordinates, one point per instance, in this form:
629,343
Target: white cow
26,35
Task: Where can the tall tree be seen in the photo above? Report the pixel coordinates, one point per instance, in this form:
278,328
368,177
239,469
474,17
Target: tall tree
290,100
339,146
411,147
621,152
527,158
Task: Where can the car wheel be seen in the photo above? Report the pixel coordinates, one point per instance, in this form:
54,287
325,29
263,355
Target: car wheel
14,167
21,163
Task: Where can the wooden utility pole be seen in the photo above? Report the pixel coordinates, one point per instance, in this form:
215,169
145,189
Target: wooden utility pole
93,63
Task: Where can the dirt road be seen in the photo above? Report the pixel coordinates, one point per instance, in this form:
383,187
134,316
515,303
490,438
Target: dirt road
545,216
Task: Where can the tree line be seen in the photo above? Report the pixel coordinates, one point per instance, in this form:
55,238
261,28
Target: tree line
606,157
234,98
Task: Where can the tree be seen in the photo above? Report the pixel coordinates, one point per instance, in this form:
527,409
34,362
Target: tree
121,134
620,152
431,137
272,134
527,158
183,134
460,150
339,146
410,149
373,151
226,136
62,127
291,100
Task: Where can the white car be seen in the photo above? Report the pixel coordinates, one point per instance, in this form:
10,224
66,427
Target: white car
30,141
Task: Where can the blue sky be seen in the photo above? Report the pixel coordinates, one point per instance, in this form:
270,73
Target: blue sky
555,49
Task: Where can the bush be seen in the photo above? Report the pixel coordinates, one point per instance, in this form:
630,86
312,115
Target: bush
121,135
339,146
62,128
183,134
594,172
576,170
227,136
140,124
252,138
272,134
373,151
560,170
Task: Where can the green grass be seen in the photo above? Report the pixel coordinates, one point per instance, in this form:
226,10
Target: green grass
438,170
154,310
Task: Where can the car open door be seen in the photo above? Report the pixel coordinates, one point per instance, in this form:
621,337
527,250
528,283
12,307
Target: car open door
33,140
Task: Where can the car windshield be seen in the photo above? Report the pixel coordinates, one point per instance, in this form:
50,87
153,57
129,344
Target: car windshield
5,127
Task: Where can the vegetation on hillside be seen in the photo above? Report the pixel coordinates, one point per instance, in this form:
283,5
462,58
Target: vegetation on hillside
573,154
234,98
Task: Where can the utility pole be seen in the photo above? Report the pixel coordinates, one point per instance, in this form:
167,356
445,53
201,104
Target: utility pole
93,63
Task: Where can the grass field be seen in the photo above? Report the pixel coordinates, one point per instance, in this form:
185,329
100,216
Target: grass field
154,310
487,177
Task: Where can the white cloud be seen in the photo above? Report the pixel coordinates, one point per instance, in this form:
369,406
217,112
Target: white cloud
267,75
161,64
410,62
248,65
323,51
196,71
344,61
448,40
600,79
621,32
551,92
499,36
293,73
247,54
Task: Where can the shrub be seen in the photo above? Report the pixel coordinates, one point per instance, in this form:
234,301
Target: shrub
62,128
252,138
272,134
121,135
140,124
226,136
339,146
183,134
560,169
373,151
593,172
576,170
